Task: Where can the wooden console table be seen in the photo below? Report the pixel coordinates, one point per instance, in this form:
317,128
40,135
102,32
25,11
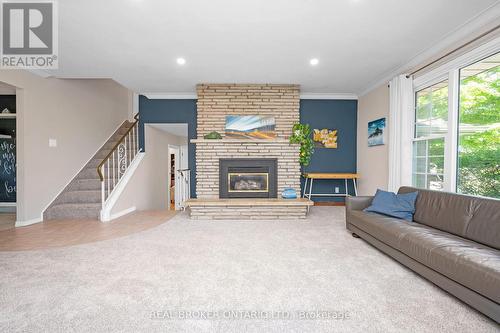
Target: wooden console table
310,177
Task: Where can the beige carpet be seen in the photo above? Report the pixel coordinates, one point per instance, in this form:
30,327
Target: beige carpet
237,273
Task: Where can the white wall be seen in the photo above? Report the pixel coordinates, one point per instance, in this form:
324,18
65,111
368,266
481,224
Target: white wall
6,89
79,114
148,187
372,162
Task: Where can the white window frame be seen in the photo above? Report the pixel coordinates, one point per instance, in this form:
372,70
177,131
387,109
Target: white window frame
447,185
428,138
451,71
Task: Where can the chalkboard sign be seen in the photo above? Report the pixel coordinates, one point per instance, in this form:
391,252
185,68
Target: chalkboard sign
8,102
7,160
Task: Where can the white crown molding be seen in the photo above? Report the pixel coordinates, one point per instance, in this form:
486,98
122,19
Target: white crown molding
328,96
302,96
170,95
440,73
487,16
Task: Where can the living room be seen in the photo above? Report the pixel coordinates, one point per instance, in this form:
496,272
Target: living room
266,166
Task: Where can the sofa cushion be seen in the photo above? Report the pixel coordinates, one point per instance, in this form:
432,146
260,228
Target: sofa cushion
484,226
469,217
385,228
473,265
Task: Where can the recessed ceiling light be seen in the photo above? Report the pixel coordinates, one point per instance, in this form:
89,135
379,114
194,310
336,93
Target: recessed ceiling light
181,61
314,61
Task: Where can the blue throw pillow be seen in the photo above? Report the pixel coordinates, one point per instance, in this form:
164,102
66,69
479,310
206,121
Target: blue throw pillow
396,205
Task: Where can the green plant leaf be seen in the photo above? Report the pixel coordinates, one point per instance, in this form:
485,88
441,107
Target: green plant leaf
301,134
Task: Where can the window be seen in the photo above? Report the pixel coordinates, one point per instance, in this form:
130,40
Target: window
431,127
479,129
456,138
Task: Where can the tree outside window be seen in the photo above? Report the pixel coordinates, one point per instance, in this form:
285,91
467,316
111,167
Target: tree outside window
479,129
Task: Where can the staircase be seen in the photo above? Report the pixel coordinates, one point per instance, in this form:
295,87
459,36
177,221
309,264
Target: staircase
83,198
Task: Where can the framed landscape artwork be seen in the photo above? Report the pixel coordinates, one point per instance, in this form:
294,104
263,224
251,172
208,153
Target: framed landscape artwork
250,127
376,132
325,138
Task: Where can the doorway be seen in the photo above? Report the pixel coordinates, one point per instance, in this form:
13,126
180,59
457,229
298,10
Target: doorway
173,162
169,155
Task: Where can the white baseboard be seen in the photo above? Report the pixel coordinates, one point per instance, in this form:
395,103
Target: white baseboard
122,213
28,222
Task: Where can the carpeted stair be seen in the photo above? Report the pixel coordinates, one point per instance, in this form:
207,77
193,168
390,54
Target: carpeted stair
81,199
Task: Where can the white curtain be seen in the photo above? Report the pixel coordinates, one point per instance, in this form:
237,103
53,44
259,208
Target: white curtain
401,113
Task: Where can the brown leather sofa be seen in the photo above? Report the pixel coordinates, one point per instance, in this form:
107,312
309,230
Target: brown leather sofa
453,241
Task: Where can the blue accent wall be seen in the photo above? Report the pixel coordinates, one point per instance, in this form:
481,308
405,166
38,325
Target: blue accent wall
342,116
171,111
332,114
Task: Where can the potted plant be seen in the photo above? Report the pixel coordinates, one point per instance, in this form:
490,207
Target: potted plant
301,134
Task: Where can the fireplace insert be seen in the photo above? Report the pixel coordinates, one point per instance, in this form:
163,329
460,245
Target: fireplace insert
248,178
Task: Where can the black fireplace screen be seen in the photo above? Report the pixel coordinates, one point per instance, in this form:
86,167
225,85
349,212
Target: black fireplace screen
248,178
248,182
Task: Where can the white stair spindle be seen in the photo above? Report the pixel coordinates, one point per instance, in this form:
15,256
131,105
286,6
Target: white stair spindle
114,167
129,144
107,171
126,156
103,196
133,137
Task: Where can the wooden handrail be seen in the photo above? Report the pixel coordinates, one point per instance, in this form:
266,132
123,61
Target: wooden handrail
101,176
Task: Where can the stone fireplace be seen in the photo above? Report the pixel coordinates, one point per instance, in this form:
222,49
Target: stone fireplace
227,175
247,178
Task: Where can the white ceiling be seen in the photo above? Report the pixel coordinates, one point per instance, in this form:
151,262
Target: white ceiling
357,42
